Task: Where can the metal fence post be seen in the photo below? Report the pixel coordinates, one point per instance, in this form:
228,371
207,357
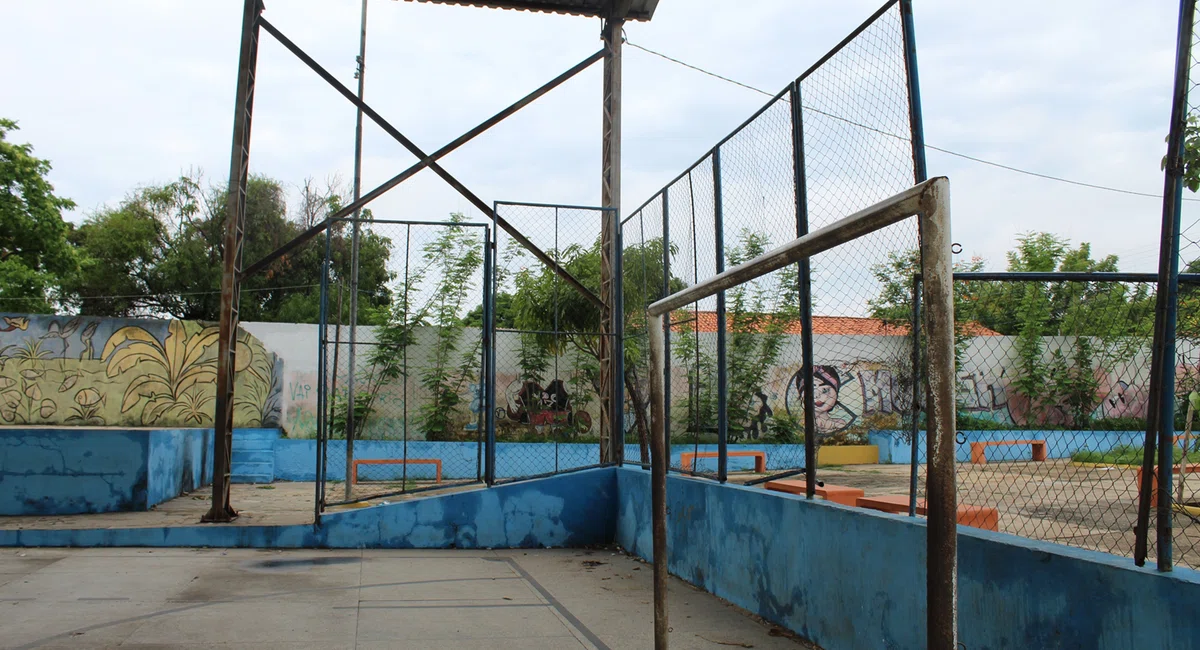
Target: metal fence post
486,343
618,334
235,223
915,432
489,324
805,291
942,502
722,362
1162,372
322,397
658,477
666,290
916,122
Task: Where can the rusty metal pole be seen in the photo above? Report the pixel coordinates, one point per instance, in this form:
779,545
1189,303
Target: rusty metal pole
235,223
658,477
941,546
611,411
356,228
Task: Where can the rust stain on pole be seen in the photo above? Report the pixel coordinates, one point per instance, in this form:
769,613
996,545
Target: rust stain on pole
942,531
235,223
658,478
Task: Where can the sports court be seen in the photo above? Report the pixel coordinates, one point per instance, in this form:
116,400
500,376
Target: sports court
239,598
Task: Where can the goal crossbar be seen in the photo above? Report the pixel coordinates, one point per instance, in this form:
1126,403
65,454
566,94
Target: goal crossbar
929,201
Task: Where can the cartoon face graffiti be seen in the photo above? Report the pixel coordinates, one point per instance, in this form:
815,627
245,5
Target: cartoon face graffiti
831,415
825,395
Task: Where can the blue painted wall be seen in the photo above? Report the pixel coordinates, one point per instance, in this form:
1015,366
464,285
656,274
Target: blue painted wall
295,460
179,460
850,578
51,471
571,510
1059,444
68,471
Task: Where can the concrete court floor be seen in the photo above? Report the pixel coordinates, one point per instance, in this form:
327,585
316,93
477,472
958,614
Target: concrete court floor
267,600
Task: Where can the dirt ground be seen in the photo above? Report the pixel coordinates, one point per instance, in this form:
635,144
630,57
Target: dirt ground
1093,507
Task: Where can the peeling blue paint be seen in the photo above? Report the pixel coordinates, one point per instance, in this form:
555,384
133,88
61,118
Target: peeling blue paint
50,471
571,510
850,578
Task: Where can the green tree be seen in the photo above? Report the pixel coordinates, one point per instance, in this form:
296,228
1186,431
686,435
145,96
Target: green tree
456,255
1190,153
542,302
35,255
160,252
894,303
758,315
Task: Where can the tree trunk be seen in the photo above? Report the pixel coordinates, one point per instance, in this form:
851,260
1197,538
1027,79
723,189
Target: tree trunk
639,414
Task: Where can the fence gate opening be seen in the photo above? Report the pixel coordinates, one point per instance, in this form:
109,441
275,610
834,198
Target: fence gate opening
547,385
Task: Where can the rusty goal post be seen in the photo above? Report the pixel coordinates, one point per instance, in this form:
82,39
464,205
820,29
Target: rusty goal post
929,202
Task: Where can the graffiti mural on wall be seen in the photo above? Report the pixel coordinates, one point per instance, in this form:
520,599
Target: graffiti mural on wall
63,370
530,403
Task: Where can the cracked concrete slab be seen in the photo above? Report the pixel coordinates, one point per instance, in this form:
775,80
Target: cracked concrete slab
486,600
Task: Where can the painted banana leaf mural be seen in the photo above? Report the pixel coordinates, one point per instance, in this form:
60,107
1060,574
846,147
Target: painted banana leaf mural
119,372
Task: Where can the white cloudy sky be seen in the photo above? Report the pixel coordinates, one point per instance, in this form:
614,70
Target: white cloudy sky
128,92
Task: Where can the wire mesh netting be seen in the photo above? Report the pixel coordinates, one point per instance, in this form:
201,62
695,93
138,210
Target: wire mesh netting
736,359
548,342
402,404
1052,403
1185,523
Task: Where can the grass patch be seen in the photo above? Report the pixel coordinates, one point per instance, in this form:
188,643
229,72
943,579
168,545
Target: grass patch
1121,455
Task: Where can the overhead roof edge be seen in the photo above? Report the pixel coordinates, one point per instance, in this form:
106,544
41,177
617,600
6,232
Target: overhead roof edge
639,10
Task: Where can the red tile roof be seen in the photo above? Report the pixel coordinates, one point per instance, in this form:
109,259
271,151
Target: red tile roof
706,322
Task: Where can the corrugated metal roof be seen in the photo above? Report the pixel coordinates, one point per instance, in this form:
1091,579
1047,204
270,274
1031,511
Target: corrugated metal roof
639,9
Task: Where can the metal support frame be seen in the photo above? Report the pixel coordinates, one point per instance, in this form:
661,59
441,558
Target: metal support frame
322,391
941,547
489,365
1162,364
930,202
611,403
252,23
722,338
805,294
428,160
618,338
666,324
317,229
659,459
941,579
356,230
235,225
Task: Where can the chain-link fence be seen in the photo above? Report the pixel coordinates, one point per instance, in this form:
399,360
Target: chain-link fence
549,344
836,141
1185,523
401,407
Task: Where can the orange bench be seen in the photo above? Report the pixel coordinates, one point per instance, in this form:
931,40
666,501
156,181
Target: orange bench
397,461
978,449
847,496
1191,468
968,515
688,460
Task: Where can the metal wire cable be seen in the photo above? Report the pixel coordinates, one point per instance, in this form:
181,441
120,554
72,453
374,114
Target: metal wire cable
893,135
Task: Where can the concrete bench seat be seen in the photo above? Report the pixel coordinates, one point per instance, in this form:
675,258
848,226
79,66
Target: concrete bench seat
983,517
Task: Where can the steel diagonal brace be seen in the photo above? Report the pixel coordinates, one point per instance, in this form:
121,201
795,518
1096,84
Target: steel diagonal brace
426,160
317,229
